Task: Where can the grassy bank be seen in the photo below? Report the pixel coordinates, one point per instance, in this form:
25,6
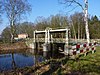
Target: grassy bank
88,65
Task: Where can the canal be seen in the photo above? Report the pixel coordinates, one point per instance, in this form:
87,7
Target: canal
13,60
24,58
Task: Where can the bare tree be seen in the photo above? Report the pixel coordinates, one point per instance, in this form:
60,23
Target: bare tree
14,10
85,11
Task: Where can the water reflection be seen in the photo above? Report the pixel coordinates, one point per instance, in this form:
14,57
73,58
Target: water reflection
12,61
52,54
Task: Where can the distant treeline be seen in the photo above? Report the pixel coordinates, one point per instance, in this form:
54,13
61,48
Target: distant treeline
74,22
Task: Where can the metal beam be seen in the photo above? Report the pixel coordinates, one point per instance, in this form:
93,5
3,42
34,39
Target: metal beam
39,32
51,31
58,30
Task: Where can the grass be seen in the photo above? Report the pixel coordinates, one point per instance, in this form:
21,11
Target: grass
88,65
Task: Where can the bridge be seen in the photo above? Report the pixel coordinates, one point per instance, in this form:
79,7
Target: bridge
47,41
46,38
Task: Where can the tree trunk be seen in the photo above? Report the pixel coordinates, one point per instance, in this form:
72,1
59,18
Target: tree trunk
74,31
12,36
86,20
78,30
12,30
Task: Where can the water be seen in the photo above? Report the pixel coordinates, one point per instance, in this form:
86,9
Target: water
18,60
23,58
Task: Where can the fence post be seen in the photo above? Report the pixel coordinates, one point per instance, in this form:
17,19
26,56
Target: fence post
66,42
45,45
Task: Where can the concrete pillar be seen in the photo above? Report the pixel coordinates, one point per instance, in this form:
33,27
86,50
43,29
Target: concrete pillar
66,42
32,45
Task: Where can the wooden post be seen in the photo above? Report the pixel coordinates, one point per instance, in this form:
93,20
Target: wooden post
34,41
48,36
34,36
66,42
45,45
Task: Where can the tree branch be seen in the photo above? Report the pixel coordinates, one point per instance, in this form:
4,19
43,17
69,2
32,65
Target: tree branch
78,4
71,2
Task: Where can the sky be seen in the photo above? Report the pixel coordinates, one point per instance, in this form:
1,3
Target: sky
46,8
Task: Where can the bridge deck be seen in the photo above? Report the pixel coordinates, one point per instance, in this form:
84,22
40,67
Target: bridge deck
54,40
